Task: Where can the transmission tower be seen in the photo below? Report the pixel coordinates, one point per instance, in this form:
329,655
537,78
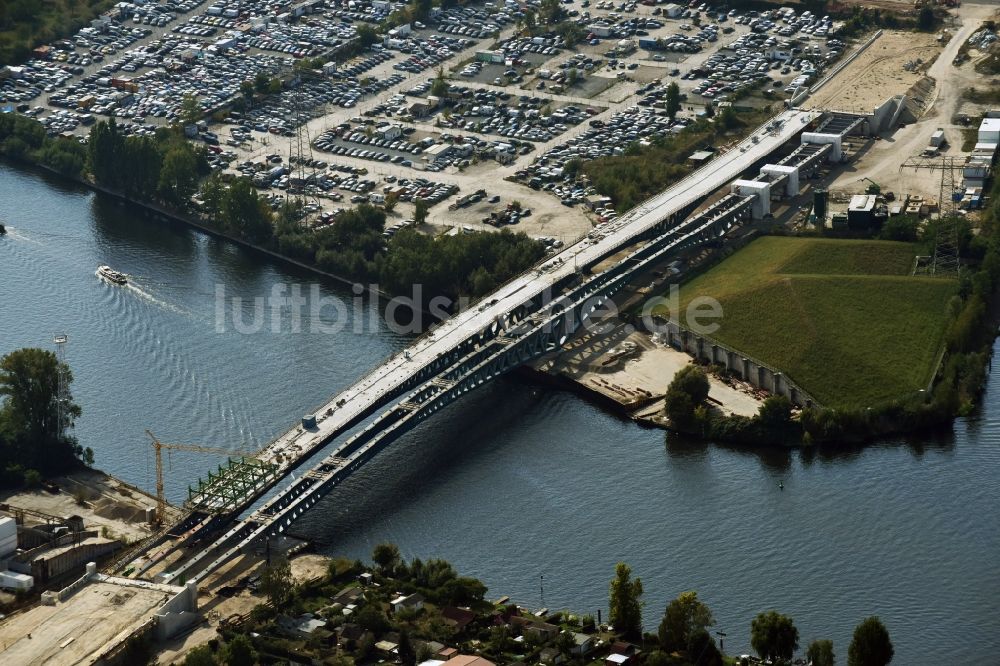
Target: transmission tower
946,260
301,144
60,340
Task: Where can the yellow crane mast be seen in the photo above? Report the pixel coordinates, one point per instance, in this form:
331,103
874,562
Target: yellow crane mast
161,503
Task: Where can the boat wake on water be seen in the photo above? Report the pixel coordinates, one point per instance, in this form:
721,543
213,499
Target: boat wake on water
145,295
16,235
128,283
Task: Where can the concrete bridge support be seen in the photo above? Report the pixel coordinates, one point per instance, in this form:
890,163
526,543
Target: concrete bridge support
761,191
834,140
792,173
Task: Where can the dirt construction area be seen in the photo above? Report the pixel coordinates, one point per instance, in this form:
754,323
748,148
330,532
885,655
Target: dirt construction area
890,66
883,160
104,503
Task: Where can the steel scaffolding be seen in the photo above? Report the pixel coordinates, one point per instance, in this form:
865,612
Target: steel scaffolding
230,485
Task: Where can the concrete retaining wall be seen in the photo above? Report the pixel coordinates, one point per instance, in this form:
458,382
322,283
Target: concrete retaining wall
748,369
178,613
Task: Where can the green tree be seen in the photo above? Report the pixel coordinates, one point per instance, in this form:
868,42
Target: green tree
870,645
565,643
386,556
422,8
775,413
261,82
372,618
691,379
407,653
190,110
687,390
105,147
213,193
820,653
367,35
673,99
420,211
463,590
200,656
276,581
774,636
178,175
246,214
925,19
239,652
34,417
550,12
901,228
247,89
658,658
439,88
683,617
703,651
625,602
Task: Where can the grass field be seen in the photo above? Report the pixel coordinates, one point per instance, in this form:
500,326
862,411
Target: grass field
841,318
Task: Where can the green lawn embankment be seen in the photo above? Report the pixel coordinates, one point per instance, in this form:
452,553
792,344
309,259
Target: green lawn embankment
842,318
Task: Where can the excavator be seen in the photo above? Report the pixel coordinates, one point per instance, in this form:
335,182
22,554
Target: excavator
876,189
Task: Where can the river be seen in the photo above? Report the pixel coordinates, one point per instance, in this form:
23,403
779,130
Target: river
531,489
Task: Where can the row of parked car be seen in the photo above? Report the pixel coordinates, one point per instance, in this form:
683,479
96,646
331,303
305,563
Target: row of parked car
525,118
429,52
333,141
360,65
603,139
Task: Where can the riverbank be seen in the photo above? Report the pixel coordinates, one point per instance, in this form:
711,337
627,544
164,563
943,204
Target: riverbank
628,371
168,214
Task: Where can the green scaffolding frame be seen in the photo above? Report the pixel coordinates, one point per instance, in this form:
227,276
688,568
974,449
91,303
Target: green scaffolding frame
230,486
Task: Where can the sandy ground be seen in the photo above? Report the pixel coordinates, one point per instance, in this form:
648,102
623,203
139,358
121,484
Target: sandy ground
901,6
637,381
70,632
878,73
217,608
883,160
108,503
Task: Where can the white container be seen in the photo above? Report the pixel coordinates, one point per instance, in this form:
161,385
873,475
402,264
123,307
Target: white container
16,581
8,528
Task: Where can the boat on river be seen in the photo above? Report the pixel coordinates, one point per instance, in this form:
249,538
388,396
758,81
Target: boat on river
112,275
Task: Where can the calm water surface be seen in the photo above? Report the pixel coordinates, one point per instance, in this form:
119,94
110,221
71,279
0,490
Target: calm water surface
515,481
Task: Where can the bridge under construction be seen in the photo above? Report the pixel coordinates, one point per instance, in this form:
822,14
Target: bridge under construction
532,315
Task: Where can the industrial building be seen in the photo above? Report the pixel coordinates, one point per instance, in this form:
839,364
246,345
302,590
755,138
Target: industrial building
36,548
861,211
979,165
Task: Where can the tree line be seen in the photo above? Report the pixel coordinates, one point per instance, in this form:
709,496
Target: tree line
36,419
164,167
683,639
449,266
25,138
643,171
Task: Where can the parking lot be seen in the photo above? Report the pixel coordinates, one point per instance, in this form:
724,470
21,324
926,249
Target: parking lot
514,109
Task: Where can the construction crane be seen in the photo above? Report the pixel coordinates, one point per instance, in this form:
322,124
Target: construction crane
158,446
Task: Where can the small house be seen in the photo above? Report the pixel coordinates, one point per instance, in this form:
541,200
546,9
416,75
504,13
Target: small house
584,644
457,618
413,601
